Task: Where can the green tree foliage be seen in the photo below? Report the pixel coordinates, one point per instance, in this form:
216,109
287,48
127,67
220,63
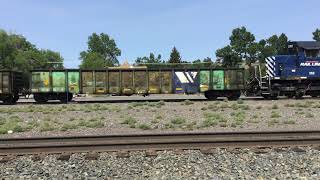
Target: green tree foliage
244,48
205,60
150,59
228,56
316,35
174,56
278,45
102,52
16,53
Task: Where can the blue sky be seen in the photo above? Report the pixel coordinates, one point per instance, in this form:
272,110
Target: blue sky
196,27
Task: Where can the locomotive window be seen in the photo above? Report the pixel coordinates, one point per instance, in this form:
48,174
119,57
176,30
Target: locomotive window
312,53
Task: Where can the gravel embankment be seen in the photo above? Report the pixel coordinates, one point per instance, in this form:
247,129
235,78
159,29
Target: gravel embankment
222,164
90,119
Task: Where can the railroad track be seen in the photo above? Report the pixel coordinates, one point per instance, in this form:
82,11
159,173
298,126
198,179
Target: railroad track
140,99
167,141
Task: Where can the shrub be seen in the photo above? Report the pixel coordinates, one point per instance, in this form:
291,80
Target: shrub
168,126
240,101
136,104
46,126
309,115
154,121
239,116
275,114
144,126
161,103
130,121
95,124
245,107
204,108
2,121
66,127
223,124
275,107
289,122
210,122
178,120
15,119
272,122
188,102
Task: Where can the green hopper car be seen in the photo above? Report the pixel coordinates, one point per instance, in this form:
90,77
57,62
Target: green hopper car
63,84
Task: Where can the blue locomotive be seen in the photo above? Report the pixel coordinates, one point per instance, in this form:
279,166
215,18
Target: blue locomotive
293,75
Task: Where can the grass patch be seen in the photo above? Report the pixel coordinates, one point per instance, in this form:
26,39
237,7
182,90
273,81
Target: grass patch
309,115
66,127
289,105
46,126
240,101
130,121
204,108
154,121
253,121
178,120
275,114
212,119
289,122
190,126
169,126
144,126
273,122
244,107
274,106
95,124
187,102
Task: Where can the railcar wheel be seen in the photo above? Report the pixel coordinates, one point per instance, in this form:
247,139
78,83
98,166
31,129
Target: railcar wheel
210,95
40,98
299,94
9,100
70,96
290,96
233,97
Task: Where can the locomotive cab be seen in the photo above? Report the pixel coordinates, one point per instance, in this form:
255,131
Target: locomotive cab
296,74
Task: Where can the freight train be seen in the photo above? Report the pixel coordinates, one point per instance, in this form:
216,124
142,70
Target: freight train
293,75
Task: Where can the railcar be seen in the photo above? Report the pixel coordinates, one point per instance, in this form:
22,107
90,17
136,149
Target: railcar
63,84
11,84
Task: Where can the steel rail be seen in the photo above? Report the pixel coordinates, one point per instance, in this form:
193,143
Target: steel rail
163,141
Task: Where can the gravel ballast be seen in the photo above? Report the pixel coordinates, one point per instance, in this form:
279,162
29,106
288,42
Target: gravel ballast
222,164
114,118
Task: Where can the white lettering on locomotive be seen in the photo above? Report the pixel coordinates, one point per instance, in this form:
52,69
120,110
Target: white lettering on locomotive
310,63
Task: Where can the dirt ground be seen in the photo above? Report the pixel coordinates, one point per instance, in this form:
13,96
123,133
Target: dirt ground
136,117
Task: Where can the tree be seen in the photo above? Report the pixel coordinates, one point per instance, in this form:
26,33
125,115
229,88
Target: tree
150,59
207,59
228,56
100,46
92,60
316,35
17,53
241,41
174,56
278,44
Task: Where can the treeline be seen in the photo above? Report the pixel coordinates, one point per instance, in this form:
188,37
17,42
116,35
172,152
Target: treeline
17,53
243,48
